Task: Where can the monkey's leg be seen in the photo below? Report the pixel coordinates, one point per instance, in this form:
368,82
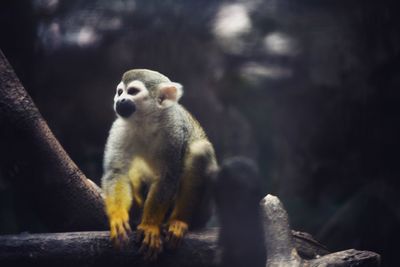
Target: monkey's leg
137,172
155,208
118,200
193,201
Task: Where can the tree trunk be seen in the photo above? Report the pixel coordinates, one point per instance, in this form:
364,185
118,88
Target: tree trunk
37,164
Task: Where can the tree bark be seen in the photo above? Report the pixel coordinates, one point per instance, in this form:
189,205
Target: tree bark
95,249
198,249
282,249
38,165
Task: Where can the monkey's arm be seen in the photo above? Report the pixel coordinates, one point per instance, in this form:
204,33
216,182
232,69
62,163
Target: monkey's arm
118,199
159,199
116,185
192,206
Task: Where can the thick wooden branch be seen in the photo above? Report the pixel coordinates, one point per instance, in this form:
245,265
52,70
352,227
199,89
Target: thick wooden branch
201,249
95,249
39,166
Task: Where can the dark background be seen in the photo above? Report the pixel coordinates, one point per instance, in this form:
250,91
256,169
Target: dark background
310,89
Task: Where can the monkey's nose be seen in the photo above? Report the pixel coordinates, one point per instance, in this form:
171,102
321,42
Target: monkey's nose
125,108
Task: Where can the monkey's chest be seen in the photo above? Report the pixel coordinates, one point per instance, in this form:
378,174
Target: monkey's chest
148,146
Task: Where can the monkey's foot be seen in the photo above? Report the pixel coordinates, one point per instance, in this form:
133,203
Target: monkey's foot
176,231
151,241
119,228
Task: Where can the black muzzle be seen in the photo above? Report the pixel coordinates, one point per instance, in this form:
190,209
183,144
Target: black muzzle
125,108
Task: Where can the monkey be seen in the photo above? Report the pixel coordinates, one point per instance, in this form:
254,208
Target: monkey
157,158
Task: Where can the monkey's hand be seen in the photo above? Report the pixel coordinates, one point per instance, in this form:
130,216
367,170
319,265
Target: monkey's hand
176,231
151,240
119,227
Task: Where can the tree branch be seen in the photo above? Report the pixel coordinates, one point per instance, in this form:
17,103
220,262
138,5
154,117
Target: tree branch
95,249
282,250
39,166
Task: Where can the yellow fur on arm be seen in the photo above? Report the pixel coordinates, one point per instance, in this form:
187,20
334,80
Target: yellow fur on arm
118,200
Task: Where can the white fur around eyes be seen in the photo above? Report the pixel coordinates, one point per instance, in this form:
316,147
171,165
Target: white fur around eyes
137,84
121,86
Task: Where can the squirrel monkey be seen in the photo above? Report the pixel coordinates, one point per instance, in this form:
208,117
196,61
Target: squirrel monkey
158,157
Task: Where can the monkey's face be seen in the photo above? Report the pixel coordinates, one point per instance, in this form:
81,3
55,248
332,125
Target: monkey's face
134,97
129,97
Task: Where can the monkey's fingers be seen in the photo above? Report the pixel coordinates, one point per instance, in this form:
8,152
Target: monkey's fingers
151,245
155,248
127,228
143,229
176,231
173,241
119,233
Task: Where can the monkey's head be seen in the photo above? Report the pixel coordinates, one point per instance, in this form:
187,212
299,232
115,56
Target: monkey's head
145,91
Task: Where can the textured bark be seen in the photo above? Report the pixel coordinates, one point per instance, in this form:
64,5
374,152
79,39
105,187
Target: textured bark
307,246
198,249
37,164
350,257
282,249
95,249
280,245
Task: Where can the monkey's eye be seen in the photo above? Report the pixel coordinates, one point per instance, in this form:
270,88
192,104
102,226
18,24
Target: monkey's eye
119,92
133,91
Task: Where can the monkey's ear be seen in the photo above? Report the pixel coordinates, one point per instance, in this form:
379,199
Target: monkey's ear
168,93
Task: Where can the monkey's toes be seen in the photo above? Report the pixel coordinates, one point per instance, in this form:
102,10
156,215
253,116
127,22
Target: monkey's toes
176,231
119,232
151,245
